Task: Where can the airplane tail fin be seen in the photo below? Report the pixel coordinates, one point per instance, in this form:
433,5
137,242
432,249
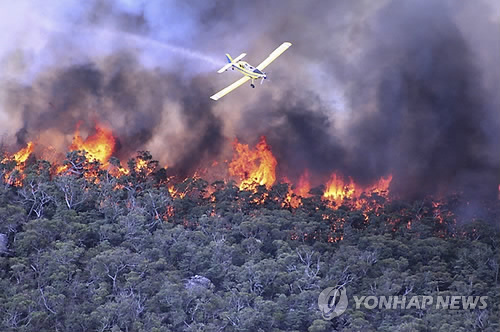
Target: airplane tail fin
229,64
231,61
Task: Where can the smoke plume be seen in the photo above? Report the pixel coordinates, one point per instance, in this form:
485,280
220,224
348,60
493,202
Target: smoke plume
369,88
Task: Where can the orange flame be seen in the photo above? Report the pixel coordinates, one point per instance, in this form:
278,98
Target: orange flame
303,187
99,146
381,186
142,165
19,157
297,192
175,192
338,189
23,154
61,168
253,167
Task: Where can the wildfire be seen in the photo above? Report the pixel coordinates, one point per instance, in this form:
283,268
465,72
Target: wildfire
141,164
23,154
303,187
381,186
19,157
253,167
297,192
338,189
99,146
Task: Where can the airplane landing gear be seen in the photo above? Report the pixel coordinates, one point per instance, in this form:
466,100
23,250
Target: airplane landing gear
252,85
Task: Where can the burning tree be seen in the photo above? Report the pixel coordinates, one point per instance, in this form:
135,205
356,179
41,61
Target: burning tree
92,234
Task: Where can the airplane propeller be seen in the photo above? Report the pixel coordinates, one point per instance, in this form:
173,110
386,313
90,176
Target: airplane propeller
264,78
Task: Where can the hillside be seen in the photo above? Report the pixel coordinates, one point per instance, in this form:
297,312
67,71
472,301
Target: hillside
89,249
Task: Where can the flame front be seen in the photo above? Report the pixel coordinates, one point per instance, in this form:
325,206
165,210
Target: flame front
253,167
20,157
338,189
23,154
99,146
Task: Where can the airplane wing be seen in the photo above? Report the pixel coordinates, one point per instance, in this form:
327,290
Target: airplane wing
230,88
276,53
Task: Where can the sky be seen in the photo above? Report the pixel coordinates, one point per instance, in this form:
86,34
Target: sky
368,87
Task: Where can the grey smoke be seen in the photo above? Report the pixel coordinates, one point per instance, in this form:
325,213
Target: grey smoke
368,88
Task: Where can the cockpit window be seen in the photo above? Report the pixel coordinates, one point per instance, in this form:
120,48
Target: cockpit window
257,71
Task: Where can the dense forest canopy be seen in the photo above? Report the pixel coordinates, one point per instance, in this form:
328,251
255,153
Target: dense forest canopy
90,247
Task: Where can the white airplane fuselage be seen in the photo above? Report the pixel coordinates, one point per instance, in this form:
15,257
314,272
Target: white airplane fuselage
246,69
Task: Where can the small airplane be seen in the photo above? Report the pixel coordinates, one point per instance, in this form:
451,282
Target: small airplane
249,72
